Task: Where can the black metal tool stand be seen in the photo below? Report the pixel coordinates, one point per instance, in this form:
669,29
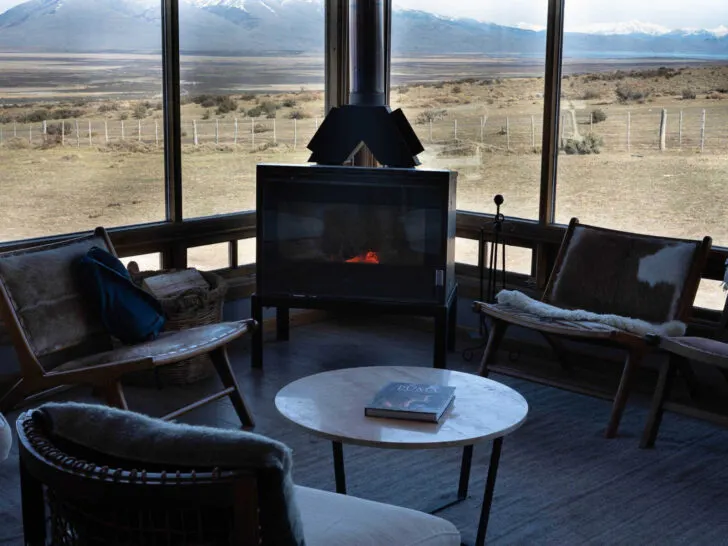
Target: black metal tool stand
465,465
445,315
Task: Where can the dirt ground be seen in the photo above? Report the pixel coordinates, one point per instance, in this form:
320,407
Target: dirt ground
630,185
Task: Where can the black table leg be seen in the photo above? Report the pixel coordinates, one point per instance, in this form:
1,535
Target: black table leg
489,488
282,324
339,473
256,349
465,472
441,322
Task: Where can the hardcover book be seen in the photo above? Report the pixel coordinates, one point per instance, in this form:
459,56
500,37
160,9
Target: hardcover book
415,401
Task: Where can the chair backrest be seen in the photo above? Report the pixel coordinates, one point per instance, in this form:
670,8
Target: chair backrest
640,276
94,501
42,304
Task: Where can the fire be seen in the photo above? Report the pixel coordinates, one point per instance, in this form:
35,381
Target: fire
370,257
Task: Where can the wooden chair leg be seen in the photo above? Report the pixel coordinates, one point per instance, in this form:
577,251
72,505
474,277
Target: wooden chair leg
561,353
497,331
682,366
631,364
222,365
113,395
662,391
13,396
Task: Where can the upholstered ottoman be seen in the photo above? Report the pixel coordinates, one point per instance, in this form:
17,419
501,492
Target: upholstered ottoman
331,519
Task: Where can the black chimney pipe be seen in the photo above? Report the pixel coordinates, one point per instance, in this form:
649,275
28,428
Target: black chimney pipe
366,28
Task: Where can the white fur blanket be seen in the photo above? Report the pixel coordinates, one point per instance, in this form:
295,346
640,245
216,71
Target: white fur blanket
640,327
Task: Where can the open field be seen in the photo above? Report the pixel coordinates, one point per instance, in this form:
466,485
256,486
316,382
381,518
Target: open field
485,123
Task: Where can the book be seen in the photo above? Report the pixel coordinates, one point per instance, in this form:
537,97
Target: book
414,401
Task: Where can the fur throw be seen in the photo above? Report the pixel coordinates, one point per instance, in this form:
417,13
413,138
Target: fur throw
636,326
725,278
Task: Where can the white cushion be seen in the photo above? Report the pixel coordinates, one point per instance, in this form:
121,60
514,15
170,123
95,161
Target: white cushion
337,520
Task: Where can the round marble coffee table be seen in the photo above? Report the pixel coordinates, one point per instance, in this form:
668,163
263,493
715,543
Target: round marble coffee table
331,405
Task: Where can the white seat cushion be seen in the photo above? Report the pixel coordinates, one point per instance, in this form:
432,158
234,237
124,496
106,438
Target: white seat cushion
337,520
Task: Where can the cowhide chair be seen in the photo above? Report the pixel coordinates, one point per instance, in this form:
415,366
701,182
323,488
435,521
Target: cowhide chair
60,340
682,350
643,280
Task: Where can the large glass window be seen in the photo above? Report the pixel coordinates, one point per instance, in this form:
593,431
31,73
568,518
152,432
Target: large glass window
469,77
252,91
80,116
644,106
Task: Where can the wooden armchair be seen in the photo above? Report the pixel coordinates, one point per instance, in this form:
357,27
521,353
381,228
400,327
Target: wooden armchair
60,340
603,271
681,351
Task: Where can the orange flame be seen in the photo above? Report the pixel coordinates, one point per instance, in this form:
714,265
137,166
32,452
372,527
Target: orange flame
370,257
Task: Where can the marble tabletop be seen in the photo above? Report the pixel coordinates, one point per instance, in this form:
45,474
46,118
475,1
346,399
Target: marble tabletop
331,405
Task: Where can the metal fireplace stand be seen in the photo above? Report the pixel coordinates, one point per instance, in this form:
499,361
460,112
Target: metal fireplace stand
445,316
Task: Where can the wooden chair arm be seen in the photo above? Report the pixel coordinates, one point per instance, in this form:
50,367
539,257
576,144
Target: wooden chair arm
98,374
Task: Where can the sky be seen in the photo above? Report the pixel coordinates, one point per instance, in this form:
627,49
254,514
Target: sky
672,14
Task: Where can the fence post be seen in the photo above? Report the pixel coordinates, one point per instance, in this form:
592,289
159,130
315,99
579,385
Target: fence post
195,141
15,129
533,132
430,130
275,138
663,129
508,134
629,124
122,130
679,134
295,133
106,132
90,138
482,128
235,132
45,128
217,131
702,132
156,133
63,132
139,130
455,133
78,134
30,134
252,132
591,122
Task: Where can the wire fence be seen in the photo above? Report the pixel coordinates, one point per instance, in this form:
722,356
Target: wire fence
692,128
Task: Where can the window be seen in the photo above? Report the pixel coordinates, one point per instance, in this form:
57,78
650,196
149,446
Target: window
469,77
80,126
252,91
643,117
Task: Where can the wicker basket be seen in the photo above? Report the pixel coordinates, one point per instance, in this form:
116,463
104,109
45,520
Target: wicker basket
191,308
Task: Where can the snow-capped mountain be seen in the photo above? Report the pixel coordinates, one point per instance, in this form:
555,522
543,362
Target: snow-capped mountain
649,29
296,26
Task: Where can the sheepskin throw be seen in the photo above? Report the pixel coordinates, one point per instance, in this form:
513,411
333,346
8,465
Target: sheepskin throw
137,438
636,326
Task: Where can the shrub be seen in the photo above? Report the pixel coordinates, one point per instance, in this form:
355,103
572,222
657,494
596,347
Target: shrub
247,97
206,114
254,112
208,103
139,111
36,115
226,104
457,89
591,94
297,114
430,115
598,115
16,143
124,116
290,103
68,113
688,94
260,128
108,107
627,93
590,144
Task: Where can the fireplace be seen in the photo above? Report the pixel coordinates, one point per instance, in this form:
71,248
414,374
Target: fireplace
353,233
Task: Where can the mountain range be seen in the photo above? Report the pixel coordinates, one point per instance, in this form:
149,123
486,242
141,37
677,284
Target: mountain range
260,27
